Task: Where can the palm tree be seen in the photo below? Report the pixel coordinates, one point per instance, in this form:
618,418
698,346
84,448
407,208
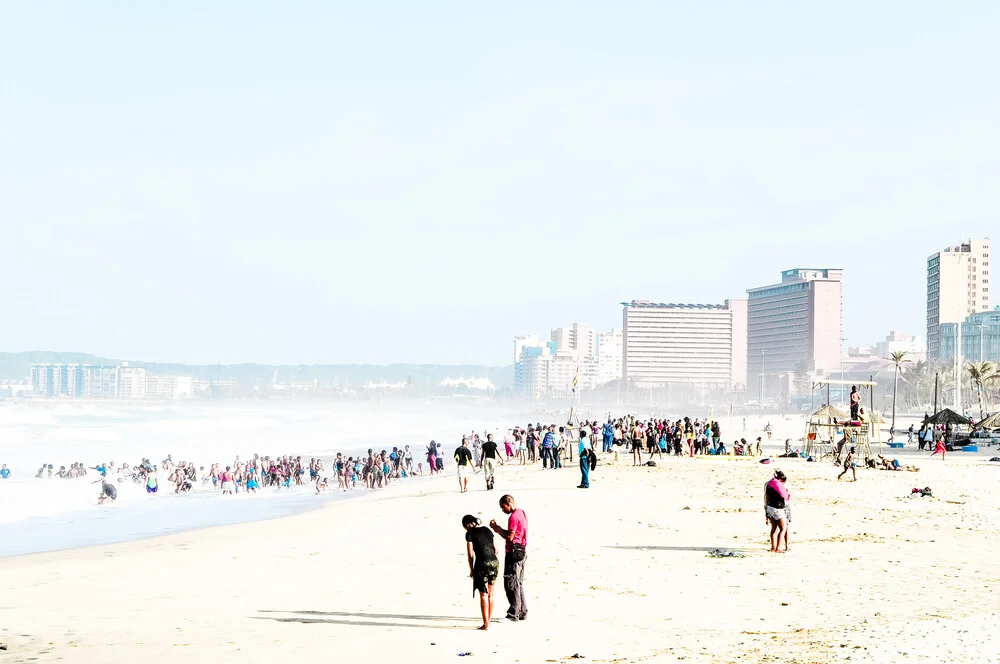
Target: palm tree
897,358
982,374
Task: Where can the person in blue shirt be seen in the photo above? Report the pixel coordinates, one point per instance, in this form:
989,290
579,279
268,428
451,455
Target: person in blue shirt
4,472
549,443
608,432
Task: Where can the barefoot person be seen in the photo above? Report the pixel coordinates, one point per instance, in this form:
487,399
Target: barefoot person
515,553
849,465
775,496
939,448
484,568
491,456
463,459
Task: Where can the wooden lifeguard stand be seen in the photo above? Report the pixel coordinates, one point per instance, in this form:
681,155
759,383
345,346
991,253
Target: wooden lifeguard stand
822,426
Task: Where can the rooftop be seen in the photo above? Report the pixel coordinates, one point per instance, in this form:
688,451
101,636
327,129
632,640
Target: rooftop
646,304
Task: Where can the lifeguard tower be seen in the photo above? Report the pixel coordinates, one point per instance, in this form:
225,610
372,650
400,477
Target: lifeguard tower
823,425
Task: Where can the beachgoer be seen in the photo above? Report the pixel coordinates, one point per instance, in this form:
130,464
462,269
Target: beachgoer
515,555
585,450
549,448
4,472
463,458
151,483
108,492
484,568
775,495
939,448
637,439
855,402
491,455
788,505
432,457
849,465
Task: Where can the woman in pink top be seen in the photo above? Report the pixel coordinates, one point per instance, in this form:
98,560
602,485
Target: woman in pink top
775,500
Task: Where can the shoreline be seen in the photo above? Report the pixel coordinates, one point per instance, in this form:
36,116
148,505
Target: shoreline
615,573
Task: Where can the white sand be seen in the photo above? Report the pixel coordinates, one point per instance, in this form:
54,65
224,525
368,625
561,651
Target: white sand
615,573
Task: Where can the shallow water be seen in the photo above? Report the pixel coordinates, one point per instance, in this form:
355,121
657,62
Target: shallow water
50,514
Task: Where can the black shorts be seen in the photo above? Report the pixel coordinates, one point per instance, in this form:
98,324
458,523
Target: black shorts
110,491
636,445
485,574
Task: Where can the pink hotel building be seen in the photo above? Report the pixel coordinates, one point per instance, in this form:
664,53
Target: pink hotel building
791,326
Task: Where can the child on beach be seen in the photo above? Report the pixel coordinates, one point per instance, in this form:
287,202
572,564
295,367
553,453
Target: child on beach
849,465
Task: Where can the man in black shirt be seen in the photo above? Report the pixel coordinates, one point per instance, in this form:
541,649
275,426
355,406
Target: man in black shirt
490,456
463,459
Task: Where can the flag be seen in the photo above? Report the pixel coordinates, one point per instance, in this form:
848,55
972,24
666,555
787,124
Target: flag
576,379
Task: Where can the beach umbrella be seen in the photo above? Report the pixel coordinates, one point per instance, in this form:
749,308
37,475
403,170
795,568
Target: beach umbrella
947,416
829,413
991,422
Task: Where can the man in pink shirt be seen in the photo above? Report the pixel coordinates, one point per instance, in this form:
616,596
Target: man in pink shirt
515,553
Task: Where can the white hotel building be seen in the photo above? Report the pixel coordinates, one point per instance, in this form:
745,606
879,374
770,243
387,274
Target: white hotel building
698,345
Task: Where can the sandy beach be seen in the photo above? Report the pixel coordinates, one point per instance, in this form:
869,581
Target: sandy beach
616,573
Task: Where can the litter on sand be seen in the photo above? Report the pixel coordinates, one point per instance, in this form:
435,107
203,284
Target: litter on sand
724,553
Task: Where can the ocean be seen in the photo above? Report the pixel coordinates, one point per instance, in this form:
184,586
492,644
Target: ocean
40,515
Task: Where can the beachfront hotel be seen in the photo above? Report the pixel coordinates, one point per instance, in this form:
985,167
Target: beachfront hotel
980,338
793,327
684,346
557,367
88,381
958,285
609,356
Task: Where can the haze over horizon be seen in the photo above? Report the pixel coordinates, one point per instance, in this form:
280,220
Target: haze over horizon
394,183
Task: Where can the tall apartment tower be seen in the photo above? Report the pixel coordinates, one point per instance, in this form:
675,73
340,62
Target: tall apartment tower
958,285
792,326
701,345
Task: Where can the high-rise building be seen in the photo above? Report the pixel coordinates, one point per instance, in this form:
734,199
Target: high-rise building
958,284
131,382
86,381
700,345
914,347
578,340
609,356
792,327
980,338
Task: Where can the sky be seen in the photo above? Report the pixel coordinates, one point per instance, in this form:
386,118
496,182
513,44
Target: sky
378,182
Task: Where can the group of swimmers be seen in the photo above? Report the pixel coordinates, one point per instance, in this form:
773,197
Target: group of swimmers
75,470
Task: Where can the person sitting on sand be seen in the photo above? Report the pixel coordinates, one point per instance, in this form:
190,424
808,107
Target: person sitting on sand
849,465
484,568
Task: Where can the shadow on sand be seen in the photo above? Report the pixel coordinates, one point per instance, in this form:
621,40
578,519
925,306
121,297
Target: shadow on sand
369,619
679,548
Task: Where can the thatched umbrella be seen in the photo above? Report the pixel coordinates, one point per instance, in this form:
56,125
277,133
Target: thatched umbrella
947,416
991,422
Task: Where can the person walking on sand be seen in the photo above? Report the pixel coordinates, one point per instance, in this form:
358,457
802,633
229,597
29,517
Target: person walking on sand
775,497
484,568
585,451
432,457
849,465
463,459
515,554
491,455
939,448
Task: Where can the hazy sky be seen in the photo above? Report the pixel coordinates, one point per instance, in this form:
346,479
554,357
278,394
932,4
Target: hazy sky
324,181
